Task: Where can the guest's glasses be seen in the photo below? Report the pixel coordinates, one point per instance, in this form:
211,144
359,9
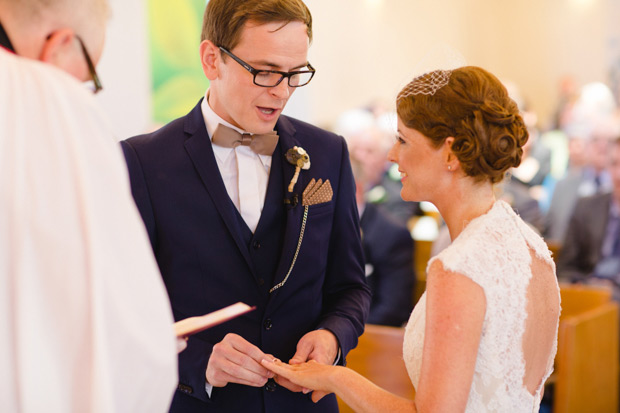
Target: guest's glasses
271,78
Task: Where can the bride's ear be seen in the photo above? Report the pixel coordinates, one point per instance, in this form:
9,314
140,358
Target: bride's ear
450,160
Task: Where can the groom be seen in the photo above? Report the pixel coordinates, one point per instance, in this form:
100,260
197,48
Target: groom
268,220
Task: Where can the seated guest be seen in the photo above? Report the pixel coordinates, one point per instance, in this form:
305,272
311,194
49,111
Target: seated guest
384,186
388,247
518,196
589,131
591,249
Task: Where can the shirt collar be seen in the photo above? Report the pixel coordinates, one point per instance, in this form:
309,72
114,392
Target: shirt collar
212,119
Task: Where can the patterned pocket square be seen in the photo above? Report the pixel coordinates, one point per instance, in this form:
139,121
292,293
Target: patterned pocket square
317,192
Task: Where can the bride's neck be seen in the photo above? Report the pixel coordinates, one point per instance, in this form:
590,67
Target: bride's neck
465,204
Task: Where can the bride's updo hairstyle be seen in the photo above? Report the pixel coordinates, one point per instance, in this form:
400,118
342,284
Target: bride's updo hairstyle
471,105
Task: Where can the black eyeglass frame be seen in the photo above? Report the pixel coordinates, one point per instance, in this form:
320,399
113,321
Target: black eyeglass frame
283,75
91,67
5,41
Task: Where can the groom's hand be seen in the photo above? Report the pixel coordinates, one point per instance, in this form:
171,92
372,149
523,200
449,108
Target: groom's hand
318,345
235,360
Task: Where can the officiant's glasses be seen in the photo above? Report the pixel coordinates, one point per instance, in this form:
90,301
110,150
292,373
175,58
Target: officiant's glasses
5,41
271,78
91,67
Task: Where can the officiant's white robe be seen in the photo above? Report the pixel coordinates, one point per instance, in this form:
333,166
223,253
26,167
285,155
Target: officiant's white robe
85,322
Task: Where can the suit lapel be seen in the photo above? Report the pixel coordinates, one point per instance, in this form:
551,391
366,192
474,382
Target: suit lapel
198,147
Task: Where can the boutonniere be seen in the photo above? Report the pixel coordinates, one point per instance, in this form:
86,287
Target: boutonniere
315,193
299,158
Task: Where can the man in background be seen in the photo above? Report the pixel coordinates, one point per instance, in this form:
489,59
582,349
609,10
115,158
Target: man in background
591,249
591,126
85,324
387,243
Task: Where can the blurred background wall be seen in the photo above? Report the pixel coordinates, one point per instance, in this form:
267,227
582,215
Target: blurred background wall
365,50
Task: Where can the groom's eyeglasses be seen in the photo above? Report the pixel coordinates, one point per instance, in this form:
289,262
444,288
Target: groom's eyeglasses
271,78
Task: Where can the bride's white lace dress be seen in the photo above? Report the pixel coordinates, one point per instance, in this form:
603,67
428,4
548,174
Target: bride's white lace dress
494,251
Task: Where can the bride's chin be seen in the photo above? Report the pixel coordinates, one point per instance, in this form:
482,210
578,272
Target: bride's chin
404,194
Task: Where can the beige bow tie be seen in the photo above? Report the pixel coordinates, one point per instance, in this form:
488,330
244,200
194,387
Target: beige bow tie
262,144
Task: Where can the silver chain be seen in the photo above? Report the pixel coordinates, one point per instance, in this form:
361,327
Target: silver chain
301,237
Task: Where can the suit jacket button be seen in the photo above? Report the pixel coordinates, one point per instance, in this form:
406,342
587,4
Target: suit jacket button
256,245
268,324
261,281
270,386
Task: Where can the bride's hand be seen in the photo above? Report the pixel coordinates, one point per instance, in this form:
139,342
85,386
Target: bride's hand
311,375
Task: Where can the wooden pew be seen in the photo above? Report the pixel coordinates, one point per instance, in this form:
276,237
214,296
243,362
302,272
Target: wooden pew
379,357
556,248
586,365
421,255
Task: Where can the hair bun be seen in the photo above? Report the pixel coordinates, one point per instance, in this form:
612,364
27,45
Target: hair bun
495,113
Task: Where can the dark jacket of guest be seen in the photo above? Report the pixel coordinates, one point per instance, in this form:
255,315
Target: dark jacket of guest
388,249
582,247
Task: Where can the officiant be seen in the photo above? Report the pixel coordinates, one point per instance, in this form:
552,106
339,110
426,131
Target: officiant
85,323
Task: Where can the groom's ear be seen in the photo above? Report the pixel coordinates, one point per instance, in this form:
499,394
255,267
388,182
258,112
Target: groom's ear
210,57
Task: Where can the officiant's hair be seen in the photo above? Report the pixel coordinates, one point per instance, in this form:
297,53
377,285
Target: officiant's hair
224,20
475,109
32,11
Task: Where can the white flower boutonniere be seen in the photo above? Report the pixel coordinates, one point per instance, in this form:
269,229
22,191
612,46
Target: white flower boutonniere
298,157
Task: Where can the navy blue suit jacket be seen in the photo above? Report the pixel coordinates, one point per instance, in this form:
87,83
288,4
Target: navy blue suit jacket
206,263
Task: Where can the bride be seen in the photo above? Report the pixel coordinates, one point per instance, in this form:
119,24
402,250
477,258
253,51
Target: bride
483,336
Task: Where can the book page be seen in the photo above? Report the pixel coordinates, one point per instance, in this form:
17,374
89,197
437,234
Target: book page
193,325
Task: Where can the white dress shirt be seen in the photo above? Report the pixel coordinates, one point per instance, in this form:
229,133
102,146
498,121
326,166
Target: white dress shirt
255,169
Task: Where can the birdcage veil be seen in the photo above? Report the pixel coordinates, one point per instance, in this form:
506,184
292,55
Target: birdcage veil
433,71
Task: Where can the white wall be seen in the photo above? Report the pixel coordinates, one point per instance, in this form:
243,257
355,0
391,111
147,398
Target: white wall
367,49
124,69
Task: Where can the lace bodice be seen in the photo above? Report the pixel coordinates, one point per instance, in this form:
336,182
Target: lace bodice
494,251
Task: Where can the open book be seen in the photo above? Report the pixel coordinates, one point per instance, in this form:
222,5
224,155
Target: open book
193,325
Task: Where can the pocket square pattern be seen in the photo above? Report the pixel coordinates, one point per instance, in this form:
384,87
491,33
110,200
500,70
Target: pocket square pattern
317,192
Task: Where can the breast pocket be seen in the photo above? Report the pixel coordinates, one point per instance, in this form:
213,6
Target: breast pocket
321,209
318,229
